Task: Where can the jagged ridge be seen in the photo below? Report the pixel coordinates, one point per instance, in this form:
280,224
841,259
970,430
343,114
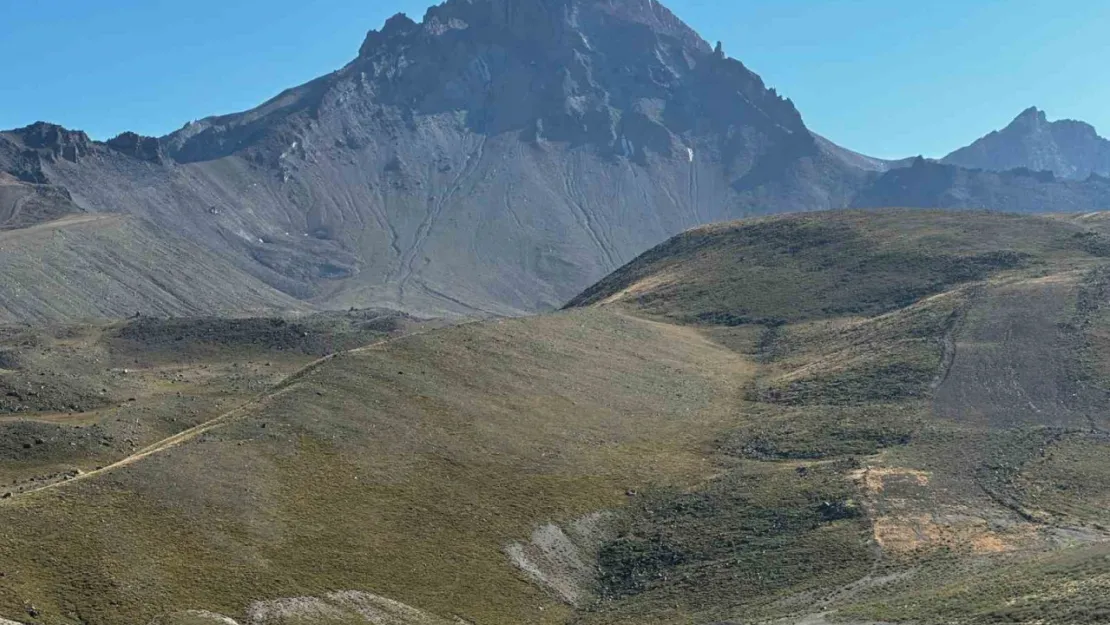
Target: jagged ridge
1068,148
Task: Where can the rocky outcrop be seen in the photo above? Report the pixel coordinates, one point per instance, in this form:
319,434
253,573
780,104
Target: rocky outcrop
139,147
52,142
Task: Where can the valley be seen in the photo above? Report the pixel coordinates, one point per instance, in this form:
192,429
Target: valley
683,445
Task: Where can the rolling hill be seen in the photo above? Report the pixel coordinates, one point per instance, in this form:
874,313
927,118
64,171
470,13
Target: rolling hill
861,417
110,266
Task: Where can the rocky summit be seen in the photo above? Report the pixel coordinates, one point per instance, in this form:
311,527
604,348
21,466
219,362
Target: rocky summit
1068,148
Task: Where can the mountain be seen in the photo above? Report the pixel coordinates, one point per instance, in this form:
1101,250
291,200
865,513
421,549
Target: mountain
1070,149
929,184
494,158
847,416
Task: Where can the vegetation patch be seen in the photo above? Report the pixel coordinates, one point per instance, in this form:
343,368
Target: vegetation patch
746,538
873,382
318,334
1071,587
821,434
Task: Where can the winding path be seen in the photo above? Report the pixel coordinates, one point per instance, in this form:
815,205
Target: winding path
196,431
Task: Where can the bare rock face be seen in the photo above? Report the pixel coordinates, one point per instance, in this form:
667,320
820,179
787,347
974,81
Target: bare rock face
52,142
1070,149
139,147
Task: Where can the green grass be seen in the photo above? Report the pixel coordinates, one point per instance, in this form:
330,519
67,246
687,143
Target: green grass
402,470
832,432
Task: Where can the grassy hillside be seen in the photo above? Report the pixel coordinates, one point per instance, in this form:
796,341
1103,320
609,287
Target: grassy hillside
402,469
843,417
834,264
952,366
74,397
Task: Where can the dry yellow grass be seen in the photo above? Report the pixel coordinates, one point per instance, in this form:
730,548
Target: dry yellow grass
401,469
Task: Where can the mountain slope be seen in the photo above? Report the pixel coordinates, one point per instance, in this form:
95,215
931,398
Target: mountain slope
910,349
1070,149
856,160
23,204
839,416
488,159
392,467
112,266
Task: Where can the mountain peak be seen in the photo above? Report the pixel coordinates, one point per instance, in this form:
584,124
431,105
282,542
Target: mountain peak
538,21
398,25
1067,148
1031,116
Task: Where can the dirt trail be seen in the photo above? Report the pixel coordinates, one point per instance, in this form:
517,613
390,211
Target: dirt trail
223,419
166,444
948,340
64,222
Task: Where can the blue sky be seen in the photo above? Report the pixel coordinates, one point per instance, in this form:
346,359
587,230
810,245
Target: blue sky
889,78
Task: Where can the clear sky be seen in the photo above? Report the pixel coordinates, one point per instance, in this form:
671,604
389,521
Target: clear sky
889,78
